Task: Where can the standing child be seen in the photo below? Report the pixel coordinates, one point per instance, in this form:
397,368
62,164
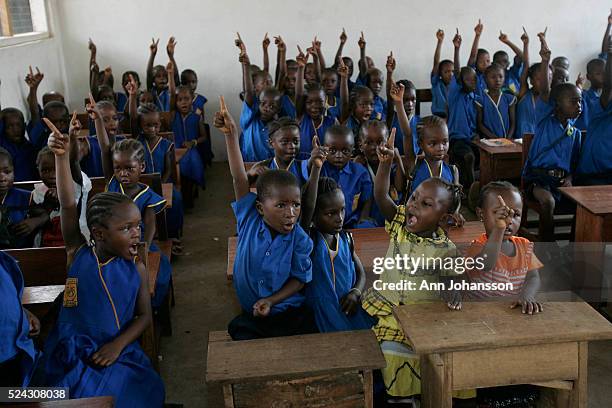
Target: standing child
190,79
157,76
479,60
13,139
441,75
527,96
93,349
512,75
495,109
273,250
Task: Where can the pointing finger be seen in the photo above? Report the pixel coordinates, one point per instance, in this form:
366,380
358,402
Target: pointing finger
501,201
31,73
391,140
315,141
300,50
51,126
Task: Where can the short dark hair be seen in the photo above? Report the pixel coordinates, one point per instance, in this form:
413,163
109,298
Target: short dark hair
561,90
126,75
494,67
500,53
186,72
407,84
595,63
274,178
282,123
496,187
445,62
12,111
370,73
5,153
372,123
481,51
55,105
339,130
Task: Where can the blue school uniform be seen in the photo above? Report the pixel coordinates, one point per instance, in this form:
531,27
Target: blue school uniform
155,162
147,198
97,308
299,168
461,112
422,172
380,108
161,99
287,107
399,135
333,109
92,163
264,262
496,116
24,158
595,158
439,96
198,104
355,183
186,129
512,79
38,133
308,130
525,115
15,342
333,276
254,143
375,213
122,100
14,209
353,124
582,121
481,82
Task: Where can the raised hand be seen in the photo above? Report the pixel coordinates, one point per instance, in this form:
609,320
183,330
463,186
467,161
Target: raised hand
92,109
545,51
32,79
170,68
343,70
397,92
457,39
301,59
223,119
361,42
153,46
262,308
580,80
525,37
479,27
610,17
92,47
239,43
57,141
386,151
266,42
390,63
108,72
343,36
440,35
131,86
243,58
503,37
75,125
280,44
542,35
318,154
170,47
503,214
316,44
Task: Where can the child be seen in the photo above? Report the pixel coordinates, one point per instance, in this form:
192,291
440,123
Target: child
57,113
91,162
596,70
554,153
273,250
512,75
285,141
18,356
441,75
495,110
190,79
13,139
507,258
527,97
479,60
157,76
310,110
123,163
414,228
361,107
122,98
352,177
93,348
372,134
257,112
339,59
329,82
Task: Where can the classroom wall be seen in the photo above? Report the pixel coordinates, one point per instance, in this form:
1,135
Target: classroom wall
205,30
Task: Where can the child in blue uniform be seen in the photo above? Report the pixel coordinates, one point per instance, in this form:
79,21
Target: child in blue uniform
554,153
12,138
596,69
91,162
374,81
527,96
361,108
479,60
57,112
353,178
190,79
257,112
18,356
441,75
512,75
372,134
122,98
93,348
157,76
329,83
406,136
495,110
273,253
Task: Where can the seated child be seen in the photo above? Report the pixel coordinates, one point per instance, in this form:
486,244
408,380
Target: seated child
507,258
91,162
273,249
495,110
329,83
414,228
157,76
13,139
93,348
441,75
57,112
353,178
512,75
18,355
361,107
596,70
402,96
339,59
122,98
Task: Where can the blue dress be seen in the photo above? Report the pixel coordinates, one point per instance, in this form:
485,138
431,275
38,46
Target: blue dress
38,133
254,144
15,207
308,131
299,168
161,99
496,116
287,107
92,163
375,213
198,103
24,158
103,304
512,79
422,172
147,198
461,112
187,129
155,162
595,155
14,324
380,108
334,109
122,100
332,278
525,115
399,135
439,96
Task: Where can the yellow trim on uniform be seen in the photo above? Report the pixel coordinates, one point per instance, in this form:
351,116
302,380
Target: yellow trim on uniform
106,288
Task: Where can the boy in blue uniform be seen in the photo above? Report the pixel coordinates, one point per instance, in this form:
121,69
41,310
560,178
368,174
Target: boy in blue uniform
91,163
479,60
441,75
374,81
512,75
554,153
273,253
596,69
57,112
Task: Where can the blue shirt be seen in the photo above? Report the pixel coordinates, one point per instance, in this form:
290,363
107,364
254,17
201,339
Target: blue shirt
254,143
122,101
512,81
496,116
308,130
287,107
333,110
423,172
525,115
399,135
24,158
439,95
380,108
155,157
461,112
355,183
198,104
264,263
595,156
161,99
299,168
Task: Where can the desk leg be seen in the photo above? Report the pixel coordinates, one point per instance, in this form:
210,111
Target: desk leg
578,395
368,389
486,168
590,257
436,380
228,396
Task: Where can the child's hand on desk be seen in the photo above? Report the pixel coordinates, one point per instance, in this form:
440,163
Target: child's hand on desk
107,354
34,324
262,308
386,152
528,304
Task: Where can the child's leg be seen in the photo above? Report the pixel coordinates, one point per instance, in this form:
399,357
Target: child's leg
547,204
293,321
463,156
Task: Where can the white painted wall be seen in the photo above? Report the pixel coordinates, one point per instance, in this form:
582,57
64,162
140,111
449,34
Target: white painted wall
205,30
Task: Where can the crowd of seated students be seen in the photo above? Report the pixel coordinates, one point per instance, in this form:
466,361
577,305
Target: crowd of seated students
331,154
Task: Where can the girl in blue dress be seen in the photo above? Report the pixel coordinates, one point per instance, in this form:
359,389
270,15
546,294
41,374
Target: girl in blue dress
12,138
495,110
93,348
190,79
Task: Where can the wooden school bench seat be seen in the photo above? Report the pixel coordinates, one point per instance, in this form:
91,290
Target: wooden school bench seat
374,242
94,402
327,370
487,344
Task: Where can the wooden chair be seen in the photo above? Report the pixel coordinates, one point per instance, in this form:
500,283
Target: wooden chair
422,95
560,220
94,402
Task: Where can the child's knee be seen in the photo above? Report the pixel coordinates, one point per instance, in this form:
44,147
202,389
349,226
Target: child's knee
545,198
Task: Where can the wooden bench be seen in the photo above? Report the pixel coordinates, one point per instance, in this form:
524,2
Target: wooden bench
94,402
374,242
322,370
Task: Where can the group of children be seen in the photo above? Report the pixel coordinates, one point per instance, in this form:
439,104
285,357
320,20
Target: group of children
330,155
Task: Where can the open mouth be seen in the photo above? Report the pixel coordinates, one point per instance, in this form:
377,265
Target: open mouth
411,219
133,249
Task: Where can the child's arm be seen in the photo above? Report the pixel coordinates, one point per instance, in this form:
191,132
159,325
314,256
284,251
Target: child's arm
94,70
171,70
352,300
170,51
436,61
33,81
149,225
103,140
247,79
397,94
363,65
490,252
152,53
456,61
389,85
517,51
382,180
266,58
133,105
262,307
338,56
109,352
309,200
512,120
525,73
343,72
225,123
474,52
302,60
316,44
606,93
526,298
399,180
315,60
69,216
545,54
482,129
281,63
605,43
168,165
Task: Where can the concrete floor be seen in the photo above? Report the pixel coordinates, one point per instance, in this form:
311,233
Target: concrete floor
206,302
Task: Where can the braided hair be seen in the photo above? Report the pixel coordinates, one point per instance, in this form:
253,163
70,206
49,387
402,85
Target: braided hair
455,191
101,207
357,92
282,123
45,151
429,122
131,146
496,187
326,186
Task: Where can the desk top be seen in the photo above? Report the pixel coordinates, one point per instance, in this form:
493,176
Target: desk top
596,199
293,356
33,295
432,327
513,148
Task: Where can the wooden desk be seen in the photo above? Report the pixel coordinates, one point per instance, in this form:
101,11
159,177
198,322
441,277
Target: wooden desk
374,242
499,162
488,344
167,193
38,299
322,370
